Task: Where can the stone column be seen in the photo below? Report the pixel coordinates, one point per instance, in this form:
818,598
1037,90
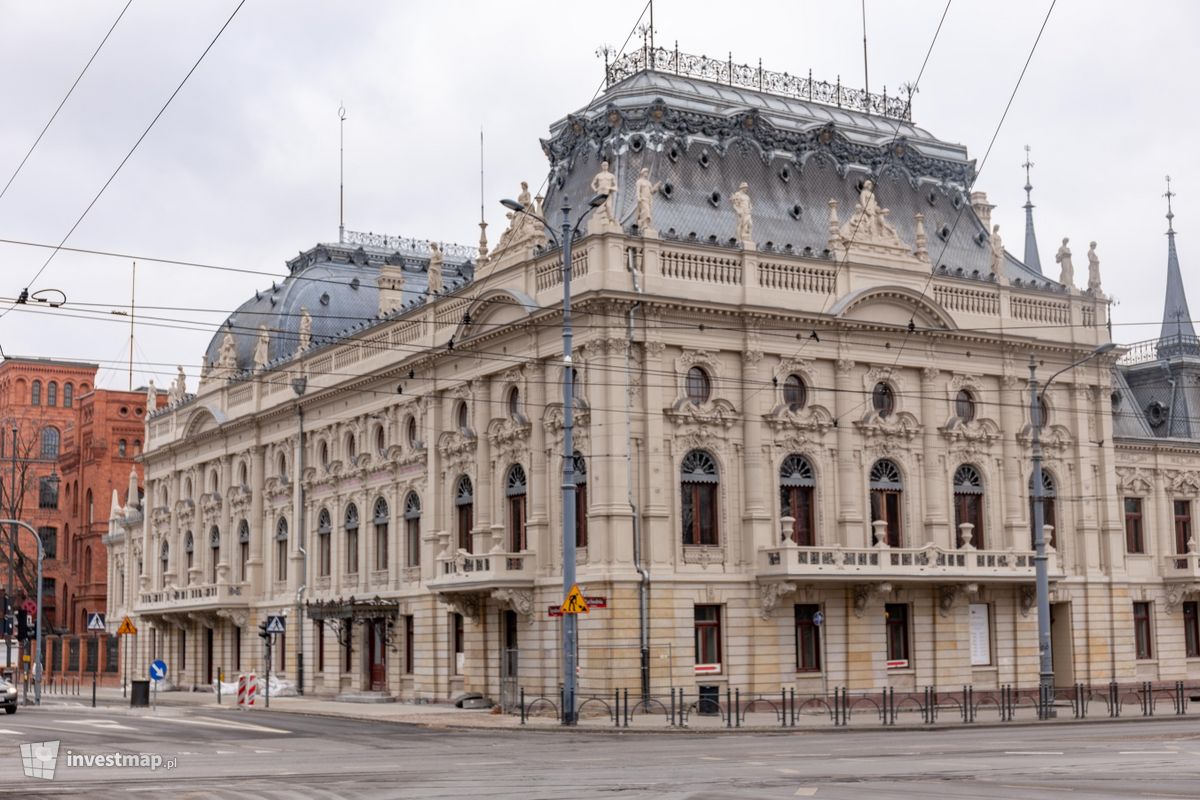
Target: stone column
1013,398
254,565
757,530
484,499
228,534
937,527
658,535
851,532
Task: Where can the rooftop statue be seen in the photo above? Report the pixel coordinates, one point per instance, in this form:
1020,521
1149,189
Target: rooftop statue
151,397
179,388
742,207
1093,270
645,198
997,251
305,330
227,357
1063,257
435,268
262,347
605,183
872,217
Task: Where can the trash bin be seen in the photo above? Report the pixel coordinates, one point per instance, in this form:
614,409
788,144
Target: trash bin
709,704
139,694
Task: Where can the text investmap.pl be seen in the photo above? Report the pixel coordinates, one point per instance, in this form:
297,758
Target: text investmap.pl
151,761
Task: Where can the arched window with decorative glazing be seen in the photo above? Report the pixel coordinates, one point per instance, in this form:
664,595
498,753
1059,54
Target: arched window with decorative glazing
380,518
464,512
352,539
51,442
243,551
968,507
164,562
324,546
699,482
281,549
796,486
887,495
515,489
189,553
214,553
412,530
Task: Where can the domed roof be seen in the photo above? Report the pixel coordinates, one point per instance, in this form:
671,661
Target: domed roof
338,285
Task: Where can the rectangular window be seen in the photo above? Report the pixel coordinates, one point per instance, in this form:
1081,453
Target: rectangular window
516,523
466,521
320,637
237,649
244,554
346,630
381,547
47,493
796,502
457,642
1191,628
352,552
708,639
699,513
1143,648
409,627
49,537
896,615
183,651
281,559
981,634
324,556
581,515
1183,525
413,538
808,638
1134,541
968,508
885,505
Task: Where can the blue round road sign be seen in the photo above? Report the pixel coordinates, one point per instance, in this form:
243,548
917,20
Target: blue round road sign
158,670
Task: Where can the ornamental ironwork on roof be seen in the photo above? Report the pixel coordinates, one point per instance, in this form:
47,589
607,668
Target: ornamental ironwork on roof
409,246
718,70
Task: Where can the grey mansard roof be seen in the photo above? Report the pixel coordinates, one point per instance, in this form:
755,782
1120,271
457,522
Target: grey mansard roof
338,284
702,139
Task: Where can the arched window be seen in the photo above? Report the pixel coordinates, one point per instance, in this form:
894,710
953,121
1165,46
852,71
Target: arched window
52,393
324,546
87,562
68,395
164,565
698,386
1043,412
323,454
242,474
964,406
1049,512
281,549
88,507
887,491
281,467
214,481
464,508
883,399
381,534
514,494
243,550
380,440
514,402
795,393
463,417
122,448
214,547
351,447
968,507
411,432
35,393
579,470
796,485
412,529
352,539
189,553
50,442
698,489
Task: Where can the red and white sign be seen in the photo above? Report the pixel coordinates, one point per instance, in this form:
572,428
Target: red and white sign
708,669
597,602
554,611
899,664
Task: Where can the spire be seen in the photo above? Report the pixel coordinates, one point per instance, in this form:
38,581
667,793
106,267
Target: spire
1178,337
1031,250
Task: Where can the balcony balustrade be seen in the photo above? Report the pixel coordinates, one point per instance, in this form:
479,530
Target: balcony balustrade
465,571
927,563
194,598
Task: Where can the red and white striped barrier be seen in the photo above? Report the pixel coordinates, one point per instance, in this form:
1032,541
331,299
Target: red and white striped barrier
251,688
241,690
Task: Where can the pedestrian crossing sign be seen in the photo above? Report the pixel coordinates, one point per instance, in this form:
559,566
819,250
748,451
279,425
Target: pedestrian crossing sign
275,623
95,621
127,628
575,602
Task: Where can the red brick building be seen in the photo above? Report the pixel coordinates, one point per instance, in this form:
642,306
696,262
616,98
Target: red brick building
40,401
99,449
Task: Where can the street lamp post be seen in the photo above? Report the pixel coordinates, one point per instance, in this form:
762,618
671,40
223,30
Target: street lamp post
37,670
298,386
569,621
1045,658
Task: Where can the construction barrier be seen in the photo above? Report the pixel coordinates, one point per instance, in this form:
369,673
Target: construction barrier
241,690
251,688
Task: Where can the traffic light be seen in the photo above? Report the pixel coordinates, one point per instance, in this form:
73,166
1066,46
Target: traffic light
262,631
24,626
6,620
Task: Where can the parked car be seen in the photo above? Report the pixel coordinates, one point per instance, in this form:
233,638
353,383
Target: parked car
8,697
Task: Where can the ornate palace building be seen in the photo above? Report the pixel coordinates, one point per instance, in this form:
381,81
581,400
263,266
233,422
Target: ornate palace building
802,431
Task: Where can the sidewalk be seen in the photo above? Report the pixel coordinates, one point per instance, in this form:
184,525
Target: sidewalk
447,717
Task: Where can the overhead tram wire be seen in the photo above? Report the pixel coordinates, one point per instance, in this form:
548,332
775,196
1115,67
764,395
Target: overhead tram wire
63,102
132,150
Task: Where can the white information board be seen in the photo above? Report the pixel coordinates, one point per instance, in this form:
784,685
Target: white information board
981,635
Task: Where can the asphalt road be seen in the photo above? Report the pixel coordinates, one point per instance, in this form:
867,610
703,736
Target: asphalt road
276,755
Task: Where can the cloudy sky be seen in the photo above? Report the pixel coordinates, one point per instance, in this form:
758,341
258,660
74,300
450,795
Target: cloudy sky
242,169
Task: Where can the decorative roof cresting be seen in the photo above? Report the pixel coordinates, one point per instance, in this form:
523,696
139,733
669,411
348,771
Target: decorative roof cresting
725,71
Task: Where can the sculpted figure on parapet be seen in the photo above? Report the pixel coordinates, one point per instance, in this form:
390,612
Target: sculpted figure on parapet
262,347
227,356
1093,269
997,252
179,388
645,199
871,218
1067,275
435,268
743,208
605,183
305,337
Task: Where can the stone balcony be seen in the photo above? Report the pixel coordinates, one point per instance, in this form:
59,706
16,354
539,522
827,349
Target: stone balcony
929,563
474,572
1184,567
199,597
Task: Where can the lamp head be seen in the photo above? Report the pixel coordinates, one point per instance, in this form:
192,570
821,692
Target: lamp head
1107,347
598,200
299,385
512,205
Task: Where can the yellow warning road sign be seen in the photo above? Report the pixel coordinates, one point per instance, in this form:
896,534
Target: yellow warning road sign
575,602
127,627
